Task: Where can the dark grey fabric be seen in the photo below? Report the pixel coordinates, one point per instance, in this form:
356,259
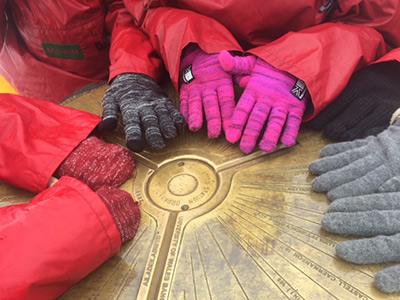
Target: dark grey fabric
365,106
144,107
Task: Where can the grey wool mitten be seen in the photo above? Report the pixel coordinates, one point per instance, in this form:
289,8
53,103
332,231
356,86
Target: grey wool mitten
144,107
359,167
376,216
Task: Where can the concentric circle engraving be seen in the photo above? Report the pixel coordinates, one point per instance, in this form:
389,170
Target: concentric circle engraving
183,184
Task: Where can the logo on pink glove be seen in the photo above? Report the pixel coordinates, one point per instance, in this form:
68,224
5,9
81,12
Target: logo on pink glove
188,75
299,89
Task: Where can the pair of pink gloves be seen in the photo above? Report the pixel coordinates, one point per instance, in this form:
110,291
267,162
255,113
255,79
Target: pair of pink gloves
273,100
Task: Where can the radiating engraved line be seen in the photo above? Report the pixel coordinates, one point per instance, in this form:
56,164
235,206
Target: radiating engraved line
285,204
268,188
277,210
284,258
277,219
194,279
226,260
262,221
125,277
288,246
282,230
120,262
202,264
239,239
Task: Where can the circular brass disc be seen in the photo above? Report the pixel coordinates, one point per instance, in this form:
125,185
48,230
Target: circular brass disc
218,224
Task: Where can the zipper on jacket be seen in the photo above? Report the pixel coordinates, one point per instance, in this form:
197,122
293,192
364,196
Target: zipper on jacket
328,6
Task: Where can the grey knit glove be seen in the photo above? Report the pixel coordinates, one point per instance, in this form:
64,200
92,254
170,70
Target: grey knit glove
359,167
144,107
376,216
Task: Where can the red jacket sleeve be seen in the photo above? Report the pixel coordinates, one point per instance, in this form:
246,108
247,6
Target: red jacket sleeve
171,29
61,236
35,137
324,57
130,50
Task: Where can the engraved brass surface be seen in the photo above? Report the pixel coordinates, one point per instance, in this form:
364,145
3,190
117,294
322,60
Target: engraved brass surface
218,224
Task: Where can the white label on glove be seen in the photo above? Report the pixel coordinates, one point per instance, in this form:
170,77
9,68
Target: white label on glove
188,74
299,89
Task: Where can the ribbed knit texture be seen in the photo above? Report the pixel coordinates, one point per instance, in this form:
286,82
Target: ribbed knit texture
359,167
144,107
266,101
365,106
97,163
210,90
124,210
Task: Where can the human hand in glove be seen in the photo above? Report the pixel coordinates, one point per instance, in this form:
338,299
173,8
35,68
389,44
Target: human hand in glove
144,107
359,167
272,97
205,86
376,216
365,106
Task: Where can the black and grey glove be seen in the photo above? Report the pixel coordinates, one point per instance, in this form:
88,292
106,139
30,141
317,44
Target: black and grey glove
365,106
144,106
376,216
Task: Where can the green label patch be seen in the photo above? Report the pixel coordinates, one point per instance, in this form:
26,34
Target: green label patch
72,51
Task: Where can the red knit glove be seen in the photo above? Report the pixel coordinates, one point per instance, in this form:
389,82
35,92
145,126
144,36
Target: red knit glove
124,210
97,163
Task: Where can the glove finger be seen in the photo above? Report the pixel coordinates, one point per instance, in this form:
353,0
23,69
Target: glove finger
380,201
387,280
195,110
110,113
363,185
276,121
349,118
151,127
379,249
213,115
337,177
338,161
165,122
184,105
227,103
337,148
254,126
174,113
240,116
291,130
391,185
363,223
133,131
237,65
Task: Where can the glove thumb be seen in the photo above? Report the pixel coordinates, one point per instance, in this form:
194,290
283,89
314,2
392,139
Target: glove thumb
387,280
237,65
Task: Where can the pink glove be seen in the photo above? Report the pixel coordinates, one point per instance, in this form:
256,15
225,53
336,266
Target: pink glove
271,97
205,85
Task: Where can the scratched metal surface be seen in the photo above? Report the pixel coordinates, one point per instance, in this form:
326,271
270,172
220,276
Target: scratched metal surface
218,224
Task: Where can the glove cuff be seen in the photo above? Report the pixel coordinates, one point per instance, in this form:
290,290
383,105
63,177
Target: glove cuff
124,210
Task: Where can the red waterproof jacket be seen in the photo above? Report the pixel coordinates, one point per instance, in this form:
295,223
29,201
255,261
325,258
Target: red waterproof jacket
322,49
49,49
65,232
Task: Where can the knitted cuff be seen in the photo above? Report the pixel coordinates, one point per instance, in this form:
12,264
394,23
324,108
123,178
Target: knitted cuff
124,210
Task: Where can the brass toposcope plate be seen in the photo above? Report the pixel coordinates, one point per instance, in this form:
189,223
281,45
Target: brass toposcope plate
218,224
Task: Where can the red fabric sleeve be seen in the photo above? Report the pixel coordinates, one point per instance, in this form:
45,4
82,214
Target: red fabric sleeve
324,57
130,50
61,236
35,137
171,29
